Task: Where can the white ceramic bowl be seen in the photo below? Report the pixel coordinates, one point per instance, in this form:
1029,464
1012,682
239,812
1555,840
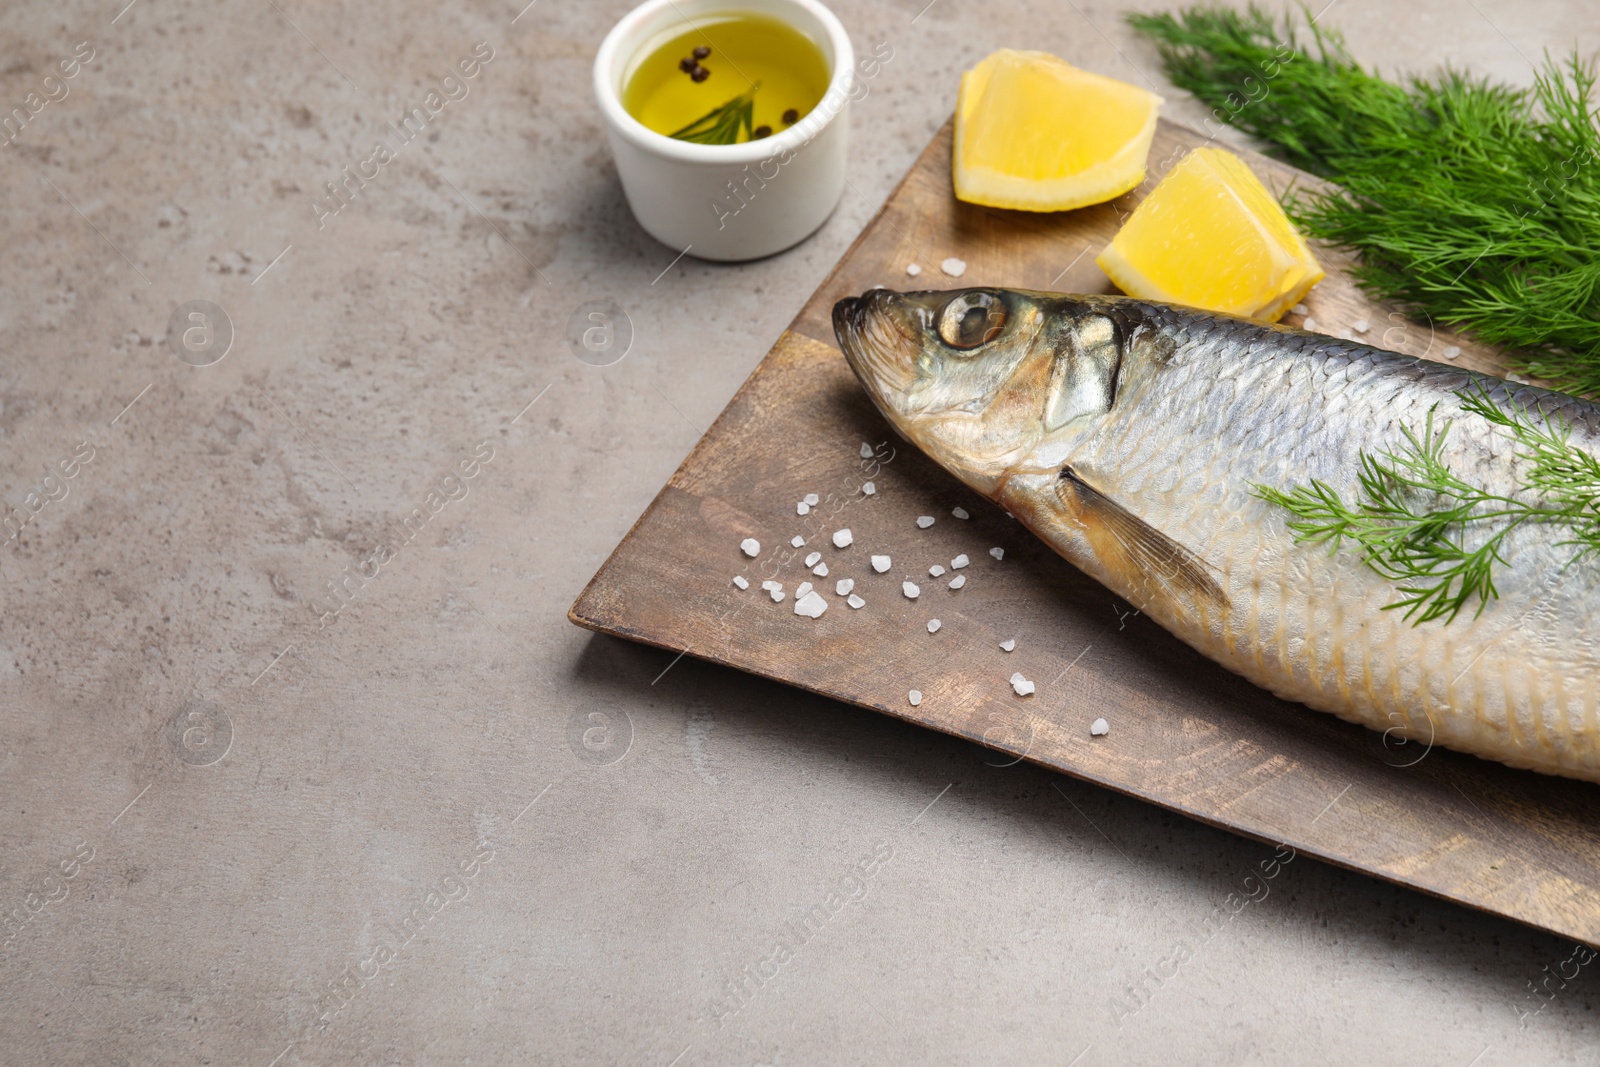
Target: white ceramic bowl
728,202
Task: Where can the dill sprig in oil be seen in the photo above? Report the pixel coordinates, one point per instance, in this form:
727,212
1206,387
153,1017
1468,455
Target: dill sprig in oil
1473,203
721,125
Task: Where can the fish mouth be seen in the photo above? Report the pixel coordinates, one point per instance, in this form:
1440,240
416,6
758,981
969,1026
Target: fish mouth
880,344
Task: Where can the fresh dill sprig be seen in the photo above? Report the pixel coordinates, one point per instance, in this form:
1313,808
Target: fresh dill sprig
721,125
1474,203
1413,514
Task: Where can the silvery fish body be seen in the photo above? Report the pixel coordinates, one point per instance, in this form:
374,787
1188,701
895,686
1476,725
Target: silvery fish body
1132,437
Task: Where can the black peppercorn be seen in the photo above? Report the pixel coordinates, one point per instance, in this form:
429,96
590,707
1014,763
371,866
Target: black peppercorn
763,131
687,64
790,117
701,51
700,74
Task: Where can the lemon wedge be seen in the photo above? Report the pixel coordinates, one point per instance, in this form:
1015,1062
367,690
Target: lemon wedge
1037,134
1212,237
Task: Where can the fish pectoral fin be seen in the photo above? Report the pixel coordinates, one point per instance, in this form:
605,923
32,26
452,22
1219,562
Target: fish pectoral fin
1145,558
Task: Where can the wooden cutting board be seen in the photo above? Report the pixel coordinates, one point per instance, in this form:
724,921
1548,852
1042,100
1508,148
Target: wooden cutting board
1185,734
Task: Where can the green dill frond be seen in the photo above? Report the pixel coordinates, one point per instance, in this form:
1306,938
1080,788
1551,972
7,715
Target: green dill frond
1474,203
1437,537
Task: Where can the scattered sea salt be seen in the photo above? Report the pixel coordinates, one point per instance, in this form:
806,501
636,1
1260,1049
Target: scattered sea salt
925,521
820,570
1451,351
954,267
802,508
1310,324
880,563
769,585
802,589
869,488
933,626
935,570
998,553
1022,686
960,513
797,541
855,601
1099,728
811,605
1008,645
778,594
866,450
1359,326
1519,379
812,499
1299,309
913,269
910,590
750,547
843,538
811,560
738,580
959,562
958,581
915,696
844,585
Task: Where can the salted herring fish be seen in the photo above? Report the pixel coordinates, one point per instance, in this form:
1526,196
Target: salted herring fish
1132,436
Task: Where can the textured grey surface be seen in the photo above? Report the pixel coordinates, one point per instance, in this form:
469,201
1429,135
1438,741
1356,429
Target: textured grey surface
252,858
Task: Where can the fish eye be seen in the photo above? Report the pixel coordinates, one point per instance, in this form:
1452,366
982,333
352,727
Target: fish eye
971,319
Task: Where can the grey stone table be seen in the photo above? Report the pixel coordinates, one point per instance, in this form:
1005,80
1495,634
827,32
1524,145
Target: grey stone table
269,797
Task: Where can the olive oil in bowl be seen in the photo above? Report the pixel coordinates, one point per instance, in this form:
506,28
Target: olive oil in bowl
726,78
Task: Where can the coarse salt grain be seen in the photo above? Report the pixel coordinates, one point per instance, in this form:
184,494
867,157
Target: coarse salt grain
802,508
910,590
935,570
770,585
954,267
820,570
1008,645
843,538
811,605
1299,309
802,589
855,601
915,696
738,580
869,488
777,594
1451,351
1310,323
1022,686
1519,379
958,581
797,541
812,499
866,450
844,585
1359,326
960,513
750,547
880,563
811,560
933,626
998,553
913,269
924,521
1099,728
959,562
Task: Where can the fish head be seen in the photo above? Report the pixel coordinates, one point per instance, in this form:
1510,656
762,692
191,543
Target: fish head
978,378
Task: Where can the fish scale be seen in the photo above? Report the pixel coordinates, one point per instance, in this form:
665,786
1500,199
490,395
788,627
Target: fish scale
1203,409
